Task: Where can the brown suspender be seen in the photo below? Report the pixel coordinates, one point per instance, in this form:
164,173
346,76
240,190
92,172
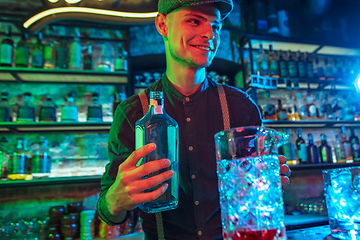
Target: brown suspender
226,121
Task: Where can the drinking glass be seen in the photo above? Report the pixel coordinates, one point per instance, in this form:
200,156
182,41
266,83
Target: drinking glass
342,194
249,183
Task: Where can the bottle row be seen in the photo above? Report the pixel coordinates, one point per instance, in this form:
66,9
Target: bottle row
24,163
345,150
60,54
48,111
308,106
300,65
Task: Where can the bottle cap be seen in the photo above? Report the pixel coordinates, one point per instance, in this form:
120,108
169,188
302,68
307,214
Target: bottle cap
156,95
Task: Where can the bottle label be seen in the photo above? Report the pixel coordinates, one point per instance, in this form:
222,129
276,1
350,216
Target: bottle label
348,151
312,111
139,141
6,53
22,55
119,64
49,54
75,55
302,153
293,69
283,69
157,106
37,58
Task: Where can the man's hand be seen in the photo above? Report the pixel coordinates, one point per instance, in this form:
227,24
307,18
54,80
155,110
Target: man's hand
285,171
128,189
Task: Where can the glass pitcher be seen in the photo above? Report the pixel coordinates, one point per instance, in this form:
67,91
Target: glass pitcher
249,183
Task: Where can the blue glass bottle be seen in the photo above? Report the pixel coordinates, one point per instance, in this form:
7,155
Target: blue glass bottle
158,127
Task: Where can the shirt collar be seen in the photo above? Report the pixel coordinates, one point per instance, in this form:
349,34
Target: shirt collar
179,96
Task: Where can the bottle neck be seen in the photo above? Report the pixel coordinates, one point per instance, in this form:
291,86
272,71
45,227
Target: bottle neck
157,106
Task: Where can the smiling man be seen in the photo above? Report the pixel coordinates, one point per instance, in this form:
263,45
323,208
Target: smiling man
201,107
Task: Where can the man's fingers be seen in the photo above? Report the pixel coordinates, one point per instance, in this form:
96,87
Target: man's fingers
285,170
285,180
282,159
149,196
136,155
150,167
154,181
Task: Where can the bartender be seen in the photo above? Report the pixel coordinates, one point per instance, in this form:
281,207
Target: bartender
191,33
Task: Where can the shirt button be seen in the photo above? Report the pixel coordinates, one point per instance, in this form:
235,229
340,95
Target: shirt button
193,176
188,119
199,233
191,148
196,203
187,99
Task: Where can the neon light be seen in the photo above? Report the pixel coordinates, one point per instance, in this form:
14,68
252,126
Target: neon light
46,13
72,1
53,1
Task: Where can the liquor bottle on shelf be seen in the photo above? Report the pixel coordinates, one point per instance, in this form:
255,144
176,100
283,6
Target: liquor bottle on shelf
355,145
88,58
22,52
288,148
47,111
319,68
325,150
75,51
156,126
312,151
269,109
347,145
26,112
4,108
329,68
69,111
17,161
283,66
49,50
4,159
38,52
292,66
339,150
95,113
104,63
281,112
293,115
121,60
338,69
6,49
61,54
272,62
301,148
325,110
262,62
311,109
337,111
28,157
301,64
41,162
302,106
309,66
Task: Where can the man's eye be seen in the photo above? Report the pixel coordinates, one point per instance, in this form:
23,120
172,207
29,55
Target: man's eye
194,21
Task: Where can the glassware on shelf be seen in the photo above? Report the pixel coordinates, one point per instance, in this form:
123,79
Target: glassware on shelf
301,64
288,148
312,151
22,52
339,150
262,62
49,50
88,58
95,112
309,66
41,162
325,150
337,111
301,148
272,62
37,55
69,111
61,54
121,60
311,109
6,49
156,126
26,112
75,51
281,112
4,108
283,67
104,62
292,66
355,145
17,161
28,158
47,111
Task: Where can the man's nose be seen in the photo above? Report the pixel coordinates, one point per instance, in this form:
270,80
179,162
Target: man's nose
208,31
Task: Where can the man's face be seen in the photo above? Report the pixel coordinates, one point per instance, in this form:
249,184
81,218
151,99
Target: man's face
194,35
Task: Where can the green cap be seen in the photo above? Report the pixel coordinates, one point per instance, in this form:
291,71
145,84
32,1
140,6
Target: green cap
167,6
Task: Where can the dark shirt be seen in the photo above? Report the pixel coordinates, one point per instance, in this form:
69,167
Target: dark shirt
199,117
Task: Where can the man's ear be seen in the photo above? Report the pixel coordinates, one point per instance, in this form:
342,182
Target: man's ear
161,24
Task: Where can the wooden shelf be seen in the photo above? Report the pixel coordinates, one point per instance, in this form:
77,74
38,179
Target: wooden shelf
30,75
